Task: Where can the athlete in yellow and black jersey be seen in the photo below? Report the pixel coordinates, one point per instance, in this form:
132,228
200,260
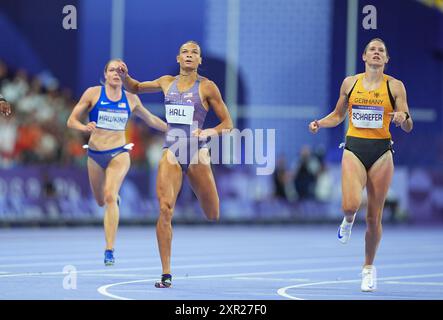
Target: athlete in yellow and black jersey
369,114
372,100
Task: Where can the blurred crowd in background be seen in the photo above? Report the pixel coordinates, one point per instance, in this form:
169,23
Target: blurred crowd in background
36,132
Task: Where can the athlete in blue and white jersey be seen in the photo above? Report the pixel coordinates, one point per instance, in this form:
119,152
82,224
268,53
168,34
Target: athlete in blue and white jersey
109,108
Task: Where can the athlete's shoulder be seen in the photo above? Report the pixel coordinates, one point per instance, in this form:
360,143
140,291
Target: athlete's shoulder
203,79
133,99
395,85
93,90
167,78
349,82
393,80
205,82
130,96
353,78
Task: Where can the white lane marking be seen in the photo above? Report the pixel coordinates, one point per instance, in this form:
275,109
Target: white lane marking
238,264
104,289
211,265
188,266
271,279
282,291
412,283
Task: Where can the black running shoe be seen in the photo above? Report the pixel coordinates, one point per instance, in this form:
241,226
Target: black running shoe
165,282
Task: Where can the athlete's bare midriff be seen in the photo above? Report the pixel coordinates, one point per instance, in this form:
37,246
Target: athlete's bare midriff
103,139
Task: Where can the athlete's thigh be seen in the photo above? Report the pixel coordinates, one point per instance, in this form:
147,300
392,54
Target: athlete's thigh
354,178
169,178
96,180
202,179
116,171
379,179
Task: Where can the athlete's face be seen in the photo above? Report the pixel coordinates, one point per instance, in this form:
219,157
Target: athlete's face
189,56
376,54
111,74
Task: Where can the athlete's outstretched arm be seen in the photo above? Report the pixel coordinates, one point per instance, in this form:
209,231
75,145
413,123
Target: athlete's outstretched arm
137,87
215,100
402,110
150,119
79,109
339,114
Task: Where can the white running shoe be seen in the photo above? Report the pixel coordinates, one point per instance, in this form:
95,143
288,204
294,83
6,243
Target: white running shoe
344,231
369,279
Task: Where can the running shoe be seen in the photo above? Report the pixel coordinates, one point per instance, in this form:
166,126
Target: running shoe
109,257
369,279
165,282
344,231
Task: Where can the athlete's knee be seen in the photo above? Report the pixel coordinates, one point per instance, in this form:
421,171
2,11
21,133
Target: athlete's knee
373,221
109,198
350,207
166,210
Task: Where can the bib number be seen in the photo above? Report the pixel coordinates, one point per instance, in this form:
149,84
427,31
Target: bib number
179,114
367,117
112,120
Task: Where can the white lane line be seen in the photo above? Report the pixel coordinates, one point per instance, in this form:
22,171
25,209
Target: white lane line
438,284
50,260
96,259
190,266
117,275
271,279
238,264
282,291
104,289
72,262
93,255
362,296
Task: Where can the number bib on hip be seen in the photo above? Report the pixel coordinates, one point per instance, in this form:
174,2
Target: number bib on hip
367,117
112,120
179,114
